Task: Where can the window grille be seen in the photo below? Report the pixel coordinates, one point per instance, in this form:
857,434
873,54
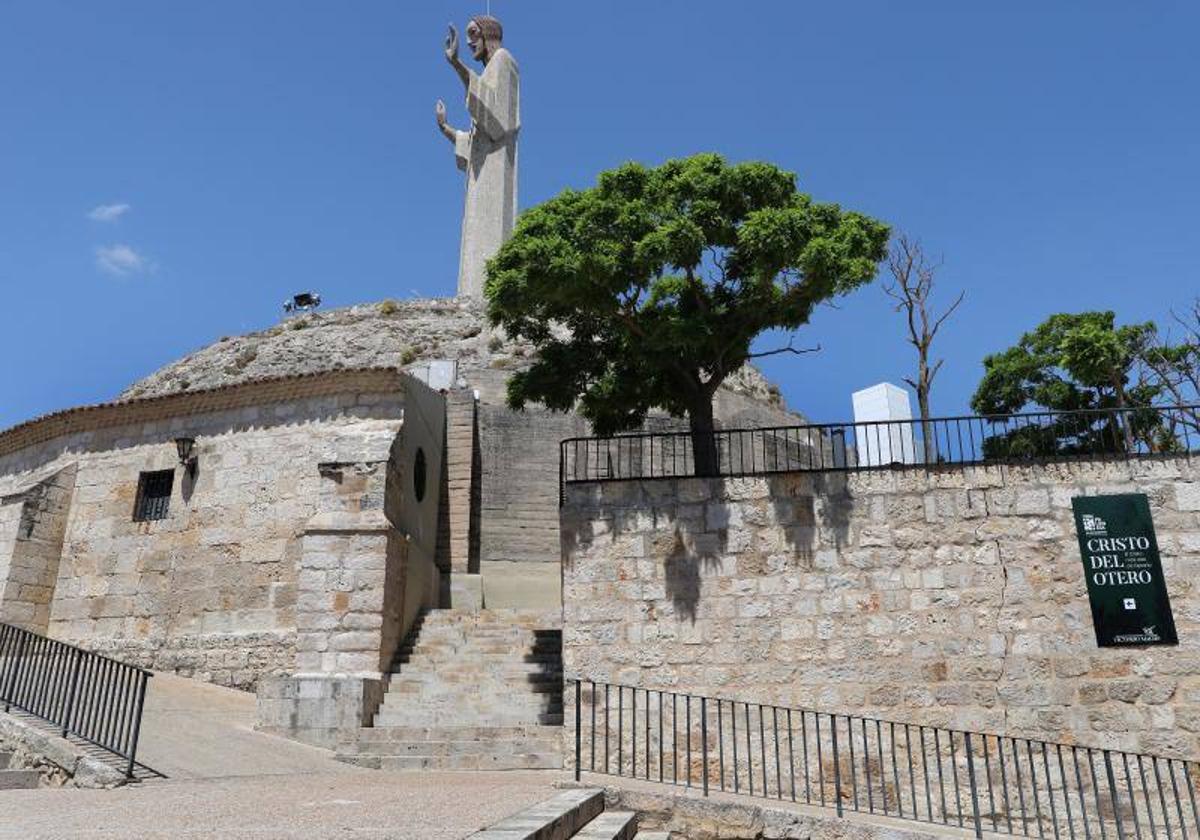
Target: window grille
154,495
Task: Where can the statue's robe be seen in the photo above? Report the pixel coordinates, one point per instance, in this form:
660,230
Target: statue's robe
488,154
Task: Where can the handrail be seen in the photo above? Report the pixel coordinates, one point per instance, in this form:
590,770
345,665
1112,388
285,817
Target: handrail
89,695
928,774
963,440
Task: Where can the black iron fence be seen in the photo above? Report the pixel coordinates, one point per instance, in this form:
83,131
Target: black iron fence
960,441
979,782
93,697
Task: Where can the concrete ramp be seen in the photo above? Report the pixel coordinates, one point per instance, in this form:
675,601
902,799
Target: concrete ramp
194,730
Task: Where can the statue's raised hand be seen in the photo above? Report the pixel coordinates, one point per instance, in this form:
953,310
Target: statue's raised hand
452,45
440,111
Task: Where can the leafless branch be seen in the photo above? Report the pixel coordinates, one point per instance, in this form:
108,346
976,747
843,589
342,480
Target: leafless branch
1174,366
798,351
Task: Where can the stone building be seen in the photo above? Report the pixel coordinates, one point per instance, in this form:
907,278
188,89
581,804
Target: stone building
194,564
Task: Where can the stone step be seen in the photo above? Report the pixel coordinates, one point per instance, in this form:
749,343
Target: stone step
531,658
454,697
515,653
451,701
512,671
557,818
434,718
476,761
469,631
498,677
479,688
479,681
496,627
503,668
610,825
368,734
28,779
439,651
485,631
652,835
438,716
423,647
486,634
452,704
445,748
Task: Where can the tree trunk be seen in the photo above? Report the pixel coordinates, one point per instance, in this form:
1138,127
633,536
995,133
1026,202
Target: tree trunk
705,454
928,438
1122,416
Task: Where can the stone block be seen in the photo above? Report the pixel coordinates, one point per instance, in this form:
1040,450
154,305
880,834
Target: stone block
1187,496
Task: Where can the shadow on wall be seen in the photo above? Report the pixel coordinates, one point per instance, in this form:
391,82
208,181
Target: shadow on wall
812,505
708,523
690,555
807,509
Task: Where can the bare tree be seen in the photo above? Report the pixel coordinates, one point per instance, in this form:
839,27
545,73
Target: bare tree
1174,366
911,287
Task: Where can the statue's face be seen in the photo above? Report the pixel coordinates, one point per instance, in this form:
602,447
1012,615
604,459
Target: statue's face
475,42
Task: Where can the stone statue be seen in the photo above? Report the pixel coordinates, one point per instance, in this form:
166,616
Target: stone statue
488,152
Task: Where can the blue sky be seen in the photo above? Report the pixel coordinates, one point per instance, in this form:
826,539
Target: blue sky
238,152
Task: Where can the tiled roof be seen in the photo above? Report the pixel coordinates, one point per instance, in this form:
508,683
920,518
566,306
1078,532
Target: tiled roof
184,403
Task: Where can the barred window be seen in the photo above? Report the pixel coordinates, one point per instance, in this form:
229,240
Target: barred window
154,495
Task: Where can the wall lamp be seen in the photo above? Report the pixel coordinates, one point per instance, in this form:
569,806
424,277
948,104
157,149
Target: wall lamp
184,446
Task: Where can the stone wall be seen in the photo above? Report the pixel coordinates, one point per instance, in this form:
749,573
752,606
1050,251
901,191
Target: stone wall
34,523
951,597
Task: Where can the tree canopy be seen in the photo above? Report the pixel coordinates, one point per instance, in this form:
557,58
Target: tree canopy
1070,362
646,290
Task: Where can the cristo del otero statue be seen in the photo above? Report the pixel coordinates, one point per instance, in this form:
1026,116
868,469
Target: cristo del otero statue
488,152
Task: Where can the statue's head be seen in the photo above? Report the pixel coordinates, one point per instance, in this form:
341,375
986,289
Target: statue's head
485,35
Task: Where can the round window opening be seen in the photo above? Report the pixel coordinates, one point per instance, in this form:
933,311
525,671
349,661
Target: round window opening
419,475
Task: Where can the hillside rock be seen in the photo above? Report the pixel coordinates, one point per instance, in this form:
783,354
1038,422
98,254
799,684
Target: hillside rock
404,334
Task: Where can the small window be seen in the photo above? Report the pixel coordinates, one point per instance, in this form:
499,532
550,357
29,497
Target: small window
154,495
419,475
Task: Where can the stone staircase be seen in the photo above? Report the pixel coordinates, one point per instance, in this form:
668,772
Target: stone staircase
15,779
469,691
570,815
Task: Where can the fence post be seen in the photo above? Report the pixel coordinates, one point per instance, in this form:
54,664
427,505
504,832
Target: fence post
704,742
14,666
974,790
137,722
1112,789
837,767
66,722
578,735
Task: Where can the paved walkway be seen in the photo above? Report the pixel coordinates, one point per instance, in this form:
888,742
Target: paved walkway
361,803
226,780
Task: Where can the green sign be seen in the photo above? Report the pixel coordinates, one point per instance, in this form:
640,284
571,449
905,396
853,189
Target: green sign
1123,571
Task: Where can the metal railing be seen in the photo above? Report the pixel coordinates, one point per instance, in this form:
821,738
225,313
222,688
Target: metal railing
942,441
979,782
93,697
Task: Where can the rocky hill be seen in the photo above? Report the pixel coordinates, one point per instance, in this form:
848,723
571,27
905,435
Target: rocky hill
404,334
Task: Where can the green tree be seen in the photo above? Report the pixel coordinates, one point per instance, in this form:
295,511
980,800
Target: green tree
646,290
1070,362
